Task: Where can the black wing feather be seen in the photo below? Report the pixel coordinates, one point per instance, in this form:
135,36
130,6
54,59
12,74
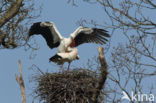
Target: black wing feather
36,29
98,36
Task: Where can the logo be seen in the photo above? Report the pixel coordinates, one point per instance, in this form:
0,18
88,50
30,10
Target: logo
137,97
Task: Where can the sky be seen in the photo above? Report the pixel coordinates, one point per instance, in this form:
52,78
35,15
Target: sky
64,16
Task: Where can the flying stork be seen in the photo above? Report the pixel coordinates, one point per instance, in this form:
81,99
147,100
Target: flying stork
67,50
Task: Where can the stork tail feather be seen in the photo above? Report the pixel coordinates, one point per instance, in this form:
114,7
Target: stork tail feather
55,58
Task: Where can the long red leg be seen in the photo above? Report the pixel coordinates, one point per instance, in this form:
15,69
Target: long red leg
68,66
60,68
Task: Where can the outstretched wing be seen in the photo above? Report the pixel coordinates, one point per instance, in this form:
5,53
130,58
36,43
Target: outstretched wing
49,31
90,35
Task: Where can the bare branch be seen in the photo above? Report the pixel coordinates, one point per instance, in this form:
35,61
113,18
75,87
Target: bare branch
20,81
14,17
11,12
103,75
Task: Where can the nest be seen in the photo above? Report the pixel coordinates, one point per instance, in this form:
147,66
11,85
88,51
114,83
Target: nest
76,86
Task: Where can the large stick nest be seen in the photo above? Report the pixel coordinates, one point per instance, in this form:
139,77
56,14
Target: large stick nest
76,86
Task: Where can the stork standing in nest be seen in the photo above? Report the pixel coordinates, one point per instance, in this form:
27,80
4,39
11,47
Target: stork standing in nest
67,51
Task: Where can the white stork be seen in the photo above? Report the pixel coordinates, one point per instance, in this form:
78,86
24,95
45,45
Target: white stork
69,56
67,50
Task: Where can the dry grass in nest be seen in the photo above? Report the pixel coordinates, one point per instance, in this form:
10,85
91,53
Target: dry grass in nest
76,86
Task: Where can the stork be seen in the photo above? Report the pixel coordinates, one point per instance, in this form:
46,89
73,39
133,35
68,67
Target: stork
61,58
67,50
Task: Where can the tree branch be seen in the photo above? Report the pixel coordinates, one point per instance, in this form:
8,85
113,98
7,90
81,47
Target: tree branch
103,75
10,12
21,83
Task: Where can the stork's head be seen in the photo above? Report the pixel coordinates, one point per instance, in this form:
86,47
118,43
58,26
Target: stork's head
77,57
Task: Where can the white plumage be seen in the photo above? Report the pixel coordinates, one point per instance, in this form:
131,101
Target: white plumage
66,46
